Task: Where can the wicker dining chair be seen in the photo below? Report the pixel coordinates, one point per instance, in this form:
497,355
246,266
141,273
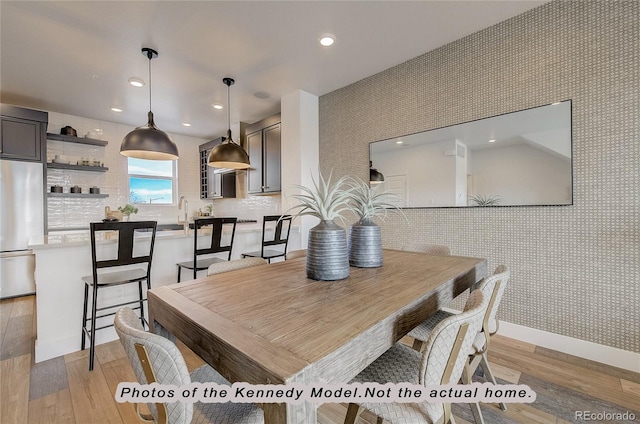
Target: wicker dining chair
156,359
493,287
222,267
441,362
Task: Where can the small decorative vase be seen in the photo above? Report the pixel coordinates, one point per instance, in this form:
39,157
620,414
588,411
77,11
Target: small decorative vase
365,250
327,252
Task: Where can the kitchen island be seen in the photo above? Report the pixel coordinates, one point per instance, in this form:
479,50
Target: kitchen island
63,259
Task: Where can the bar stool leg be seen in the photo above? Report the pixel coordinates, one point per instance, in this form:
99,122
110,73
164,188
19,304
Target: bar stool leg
92,338
84,316
141,303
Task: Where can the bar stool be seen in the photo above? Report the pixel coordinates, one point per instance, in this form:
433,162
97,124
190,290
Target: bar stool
214,246
278,238
125,256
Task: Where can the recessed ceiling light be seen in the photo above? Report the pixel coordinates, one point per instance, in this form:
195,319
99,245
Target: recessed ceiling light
186,124
262,94
217,106
493,140
399,142
136,82
115,109
327,39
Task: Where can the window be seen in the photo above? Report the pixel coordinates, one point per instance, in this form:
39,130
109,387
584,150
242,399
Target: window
152,181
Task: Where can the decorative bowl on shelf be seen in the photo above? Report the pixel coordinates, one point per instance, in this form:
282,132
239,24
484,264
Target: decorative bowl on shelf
75,189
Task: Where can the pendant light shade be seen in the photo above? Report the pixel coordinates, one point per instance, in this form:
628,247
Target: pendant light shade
149,142
229,154
375,176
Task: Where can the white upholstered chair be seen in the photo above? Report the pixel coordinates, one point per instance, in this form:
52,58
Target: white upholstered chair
302,253
220,267
440,363
156,359
493,288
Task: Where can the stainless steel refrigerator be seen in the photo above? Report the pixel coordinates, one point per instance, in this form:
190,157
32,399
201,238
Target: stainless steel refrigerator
21,217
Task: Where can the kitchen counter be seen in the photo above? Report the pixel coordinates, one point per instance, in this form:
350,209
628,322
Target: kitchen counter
63,259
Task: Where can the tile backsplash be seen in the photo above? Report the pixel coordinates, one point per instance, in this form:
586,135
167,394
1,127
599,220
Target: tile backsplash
74,213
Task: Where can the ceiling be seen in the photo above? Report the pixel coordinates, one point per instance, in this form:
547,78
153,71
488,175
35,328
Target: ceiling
76,57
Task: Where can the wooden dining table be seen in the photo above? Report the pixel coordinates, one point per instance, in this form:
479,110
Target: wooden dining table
270,324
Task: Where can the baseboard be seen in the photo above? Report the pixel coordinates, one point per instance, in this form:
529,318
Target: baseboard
60,347
581,348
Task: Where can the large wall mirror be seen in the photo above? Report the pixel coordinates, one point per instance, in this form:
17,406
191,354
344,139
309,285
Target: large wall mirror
520,158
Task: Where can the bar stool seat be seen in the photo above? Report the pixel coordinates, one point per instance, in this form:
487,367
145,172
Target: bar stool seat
126,255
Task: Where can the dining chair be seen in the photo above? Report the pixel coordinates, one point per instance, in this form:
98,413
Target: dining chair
430,249
156,359
222,267
129,244
493,287
214,244
281,225
440,363
302,253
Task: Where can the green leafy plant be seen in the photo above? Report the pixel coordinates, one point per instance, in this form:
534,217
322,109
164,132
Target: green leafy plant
128,209
368,202
485,200
325,200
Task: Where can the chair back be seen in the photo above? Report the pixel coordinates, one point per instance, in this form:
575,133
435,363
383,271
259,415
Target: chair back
493,288
430,249
154,359
280,236
127,254
222,267
447,349
215,242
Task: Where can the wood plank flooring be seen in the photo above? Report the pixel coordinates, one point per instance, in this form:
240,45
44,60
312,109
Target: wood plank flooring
62,390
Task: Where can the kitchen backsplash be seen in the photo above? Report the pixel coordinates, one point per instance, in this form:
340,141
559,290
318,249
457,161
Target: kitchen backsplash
74,213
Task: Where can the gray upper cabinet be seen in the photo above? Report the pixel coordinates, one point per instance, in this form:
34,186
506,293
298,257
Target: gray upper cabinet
263,147
22,133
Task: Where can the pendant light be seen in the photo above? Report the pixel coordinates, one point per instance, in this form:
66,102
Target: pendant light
149,142
375,176
229,154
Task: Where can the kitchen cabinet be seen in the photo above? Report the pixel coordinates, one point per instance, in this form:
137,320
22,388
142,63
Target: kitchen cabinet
22,133
215,183
263,146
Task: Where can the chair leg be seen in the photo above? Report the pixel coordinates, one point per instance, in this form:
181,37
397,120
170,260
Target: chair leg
195,271
352,413
92,338
179,268
484,363
84,317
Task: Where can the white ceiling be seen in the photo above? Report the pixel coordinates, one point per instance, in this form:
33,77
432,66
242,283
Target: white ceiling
76,57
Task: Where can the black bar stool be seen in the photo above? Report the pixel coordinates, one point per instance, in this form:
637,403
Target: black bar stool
214,246
125,256
280,237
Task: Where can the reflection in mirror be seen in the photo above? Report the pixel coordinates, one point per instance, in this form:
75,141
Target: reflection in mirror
520,158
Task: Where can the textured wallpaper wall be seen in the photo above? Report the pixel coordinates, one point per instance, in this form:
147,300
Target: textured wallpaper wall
575,269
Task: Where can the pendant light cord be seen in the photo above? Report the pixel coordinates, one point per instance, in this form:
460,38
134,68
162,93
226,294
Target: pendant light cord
229,107
150,56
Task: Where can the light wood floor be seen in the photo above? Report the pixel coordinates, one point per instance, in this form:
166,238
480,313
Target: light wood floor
62,390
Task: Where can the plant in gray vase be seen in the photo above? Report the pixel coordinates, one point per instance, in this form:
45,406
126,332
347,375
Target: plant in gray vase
365,247
327,251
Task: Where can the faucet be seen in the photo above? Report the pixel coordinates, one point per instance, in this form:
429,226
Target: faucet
184,200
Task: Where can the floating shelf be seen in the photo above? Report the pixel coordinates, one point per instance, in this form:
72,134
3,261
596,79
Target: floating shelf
77,167
85,195
80,140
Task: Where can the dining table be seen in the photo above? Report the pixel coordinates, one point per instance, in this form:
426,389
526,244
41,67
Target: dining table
270,324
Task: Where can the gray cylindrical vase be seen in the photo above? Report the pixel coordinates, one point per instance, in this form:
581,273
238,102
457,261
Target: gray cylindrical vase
365,249
327,252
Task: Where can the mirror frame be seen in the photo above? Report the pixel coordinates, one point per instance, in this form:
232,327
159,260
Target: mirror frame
571,166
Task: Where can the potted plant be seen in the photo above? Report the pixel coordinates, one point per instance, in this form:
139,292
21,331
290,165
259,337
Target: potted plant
127,210
365,249
485,199
327,251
